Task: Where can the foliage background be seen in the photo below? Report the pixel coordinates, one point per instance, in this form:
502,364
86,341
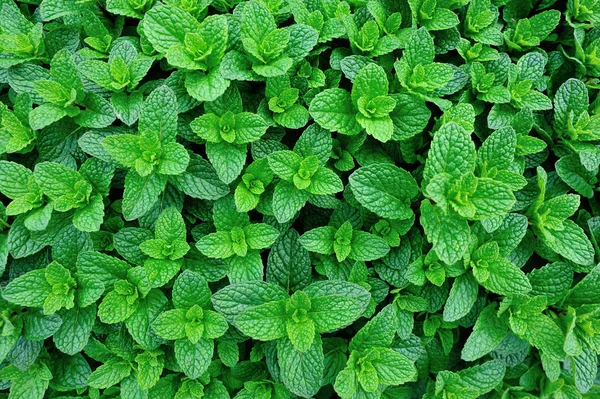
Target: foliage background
299,198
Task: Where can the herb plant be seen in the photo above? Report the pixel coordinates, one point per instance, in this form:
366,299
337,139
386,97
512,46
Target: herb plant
278,199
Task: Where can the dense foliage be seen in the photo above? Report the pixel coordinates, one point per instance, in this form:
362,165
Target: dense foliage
271,199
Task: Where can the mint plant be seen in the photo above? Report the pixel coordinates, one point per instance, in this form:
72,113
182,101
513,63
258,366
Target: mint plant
302,173
372,363
345,242
237,241
367,107
190,324
152,155
227,131
277,199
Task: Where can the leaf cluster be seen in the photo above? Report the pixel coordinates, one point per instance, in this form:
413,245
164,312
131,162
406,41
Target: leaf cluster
279,199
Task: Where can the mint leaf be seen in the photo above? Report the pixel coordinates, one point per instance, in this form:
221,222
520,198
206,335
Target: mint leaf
301,372
452,152
385,190
332,109
141,193
31,289
461,299
488,332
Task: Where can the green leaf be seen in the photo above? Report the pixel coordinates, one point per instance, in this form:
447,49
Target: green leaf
452,151
160,271
585,369
123,148
332,109
257,23
170,324
127,107
73,373
570,101
90,217
245,268
463,295
393,368
531,31
206,86
385,190
56,180
319,240
159,114
484,377
367,247
191,289
409,117
420,48
115,308
325,182
330,313
227,159
288,263
378,332
545,335
234,299
199,180
216,245
498,150
449,234
553,281
301,372
509,234
98,112
570,242
141,193
587,291
506,279
38,326
572,172
194,359
284,164
139,323
295,117
260,235
314,141
488,332
75,330
102,268
370,82
166,26
110,373
174,159
14,179
30,289
123,7
265,322
287,201
45,115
